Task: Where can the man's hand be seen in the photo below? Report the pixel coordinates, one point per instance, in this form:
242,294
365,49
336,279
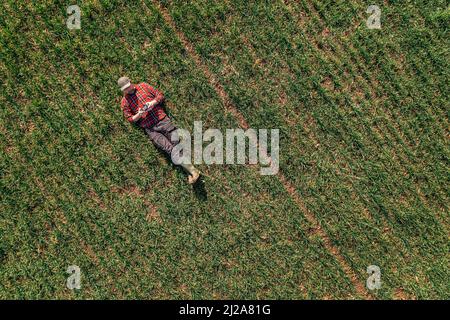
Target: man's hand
150,105
147,107
138,115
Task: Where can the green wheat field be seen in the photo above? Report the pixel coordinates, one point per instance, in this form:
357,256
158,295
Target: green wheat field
364,173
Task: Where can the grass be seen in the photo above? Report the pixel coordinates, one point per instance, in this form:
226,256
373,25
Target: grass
363,119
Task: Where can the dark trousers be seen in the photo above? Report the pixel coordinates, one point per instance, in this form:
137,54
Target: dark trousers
162,133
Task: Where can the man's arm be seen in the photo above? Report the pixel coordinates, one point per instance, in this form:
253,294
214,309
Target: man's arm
137,116
158,96
128,113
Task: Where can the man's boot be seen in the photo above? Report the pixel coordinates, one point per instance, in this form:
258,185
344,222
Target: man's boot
194,173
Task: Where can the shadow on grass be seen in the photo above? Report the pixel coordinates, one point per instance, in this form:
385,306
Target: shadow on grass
200,190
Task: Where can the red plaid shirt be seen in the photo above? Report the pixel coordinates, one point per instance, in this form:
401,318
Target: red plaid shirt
131,103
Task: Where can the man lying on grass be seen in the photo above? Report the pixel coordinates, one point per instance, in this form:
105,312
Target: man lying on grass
142,105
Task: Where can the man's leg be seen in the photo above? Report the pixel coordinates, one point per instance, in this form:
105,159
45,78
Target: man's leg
160,141
168,129
162,135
